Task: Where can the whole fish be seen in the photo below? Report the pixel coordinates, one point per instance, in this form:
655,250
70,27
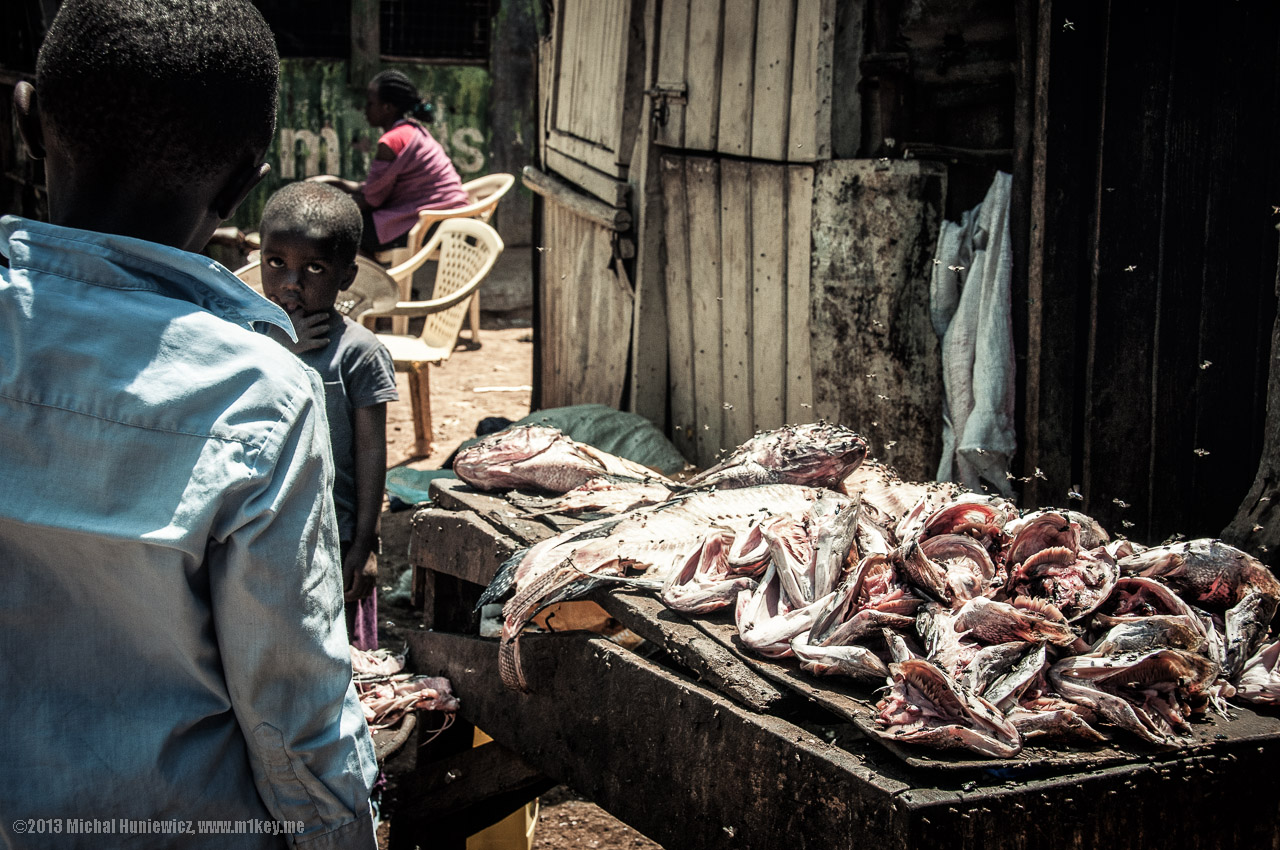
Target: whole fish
816,455
542,458
1221,577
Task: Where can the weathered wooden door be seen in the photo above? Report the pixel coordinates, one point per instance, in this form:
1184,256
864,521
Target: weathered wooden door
737,299
591,91
748,78
1153,261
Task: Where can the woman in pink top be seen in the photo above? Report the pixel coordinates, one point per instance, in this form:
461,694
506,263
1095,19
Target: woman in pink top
410,170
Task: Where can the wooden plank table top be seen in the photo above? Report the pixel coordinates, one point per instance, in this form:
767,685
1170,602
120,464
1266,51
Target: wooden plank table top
662,743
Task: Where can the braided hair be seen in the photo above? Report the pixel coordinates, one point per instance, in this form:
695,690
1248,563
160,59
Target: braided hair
395,88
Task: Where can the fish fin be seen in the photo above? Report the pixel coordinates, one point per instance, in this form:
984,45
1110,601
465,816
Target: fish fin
503,580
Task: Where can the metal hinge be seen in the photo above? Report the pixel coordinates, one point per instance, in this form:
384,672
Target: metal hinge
663,95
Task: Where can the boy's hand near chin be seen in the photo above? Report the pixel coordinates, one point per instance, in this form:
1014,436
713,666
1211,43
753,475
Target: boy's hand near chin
312,331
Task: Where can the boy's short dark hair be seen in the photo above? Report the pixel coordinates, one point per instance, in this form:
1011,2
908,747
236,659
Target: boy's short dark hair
183,88
327,214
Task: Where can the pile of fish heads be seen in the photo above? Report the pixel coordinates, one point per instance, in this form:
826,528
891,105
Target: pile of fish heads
989,627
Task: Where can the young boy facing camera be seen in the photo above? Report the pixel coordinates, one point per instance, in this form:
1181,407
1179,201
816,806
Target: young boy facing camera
310,233
172,600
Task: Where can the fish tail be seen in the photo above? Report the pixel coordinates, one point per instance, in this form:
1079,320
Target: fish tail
509,665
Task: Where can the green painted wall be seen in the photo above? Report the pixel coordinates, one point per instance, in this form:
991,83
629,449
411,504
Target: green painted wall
320,128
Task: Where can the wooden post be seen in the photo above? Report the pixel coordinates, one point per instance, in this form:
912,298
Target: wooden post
1256,527
366,42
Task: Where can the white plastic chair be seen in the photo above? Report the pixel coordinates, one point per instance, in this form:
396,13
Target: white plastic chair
483,194
467,251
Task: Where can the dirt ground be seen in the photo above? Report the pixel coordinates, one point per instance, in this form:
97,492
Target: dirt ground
501,368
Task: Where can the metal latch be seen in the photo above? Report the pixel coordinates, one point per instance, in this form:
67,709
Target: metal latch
663,95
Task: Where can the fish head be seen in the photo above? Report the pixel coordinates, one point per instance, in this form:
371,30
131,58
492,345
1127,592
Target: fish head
926,706
981,520
1205,571
1038,531
818,454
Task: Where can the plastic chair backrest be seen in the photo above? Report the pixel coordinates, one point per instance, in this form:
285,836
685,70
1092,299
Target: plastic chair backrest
468,249
484,194
489,189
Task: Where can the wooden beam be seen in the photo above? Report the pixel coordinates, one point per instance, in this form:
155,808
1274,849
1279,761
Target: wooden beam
366,42
709,661
566,195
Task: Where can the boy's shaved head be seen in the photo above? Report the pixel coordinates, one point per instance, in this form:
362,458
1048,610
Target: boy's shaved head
177,89
322,212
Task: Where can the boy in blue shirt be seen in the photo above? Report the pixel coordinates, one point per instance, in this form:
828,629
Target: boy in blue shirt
310,233
173,601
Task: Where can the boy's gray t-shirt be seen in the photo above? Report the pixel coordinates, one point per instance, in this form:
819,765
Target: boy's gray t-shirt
357,372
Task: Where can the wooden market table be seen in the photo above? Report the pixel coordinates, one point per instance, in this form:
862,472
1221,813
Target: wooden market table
696,745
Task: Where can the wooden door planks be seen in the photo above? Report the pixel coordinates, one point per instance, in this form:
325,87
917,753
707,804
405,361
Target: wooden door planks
1068,76
680,343
738,295
758,77
809,128
770,321
586,329
736,329
799,377
1118,397
771,91
703,63
737,82
702,185
673,43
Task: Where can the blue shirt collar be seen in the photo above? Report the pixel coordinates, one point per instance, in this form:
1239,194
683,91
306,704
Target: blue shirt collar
123,262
